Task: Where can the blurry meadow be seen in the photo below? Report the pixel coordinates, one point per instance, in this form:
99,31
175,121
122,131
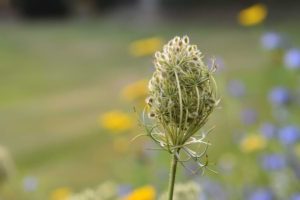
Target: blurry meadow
70,88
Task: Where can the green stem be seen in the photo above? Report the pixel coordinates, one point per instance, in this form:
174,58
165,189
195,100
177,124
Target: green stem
172,176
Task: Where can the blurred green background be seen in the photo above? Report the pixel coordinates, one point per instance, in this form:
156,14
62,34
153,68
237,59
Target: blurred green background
59,75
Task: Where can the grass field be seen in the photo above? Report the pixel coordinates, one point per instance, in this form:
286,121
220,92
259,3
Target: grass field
57,78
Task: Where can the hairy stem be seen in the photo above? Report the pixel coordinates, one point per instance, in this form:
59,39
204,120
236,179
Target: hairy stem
172,175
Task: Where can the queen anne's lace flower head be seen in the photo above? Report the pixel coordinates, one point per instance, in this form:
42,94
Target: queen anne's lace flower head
182,89
182,94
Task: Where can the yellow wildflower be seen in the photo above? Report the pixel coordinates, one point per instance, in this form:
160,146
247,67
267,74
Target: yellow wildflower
253,143
143,193
136,91
116,121
145,47
253,15
61,194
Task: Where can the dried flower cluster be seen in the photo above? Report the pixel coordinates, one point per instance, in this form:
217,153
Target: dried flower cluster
182,92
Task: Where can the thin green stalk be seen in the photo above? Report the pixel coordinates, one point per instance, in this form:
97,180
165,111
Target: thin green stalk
172,176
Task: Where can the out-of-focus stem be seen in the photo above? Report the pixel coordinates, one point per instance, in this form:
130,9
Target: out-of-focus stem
172,176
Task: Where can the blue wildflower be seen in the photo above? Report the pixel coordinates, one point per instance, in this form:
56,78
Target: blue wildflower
273,162
292,59
227,162
268,130
213,190
236,88
30,184
295,196
261,194
124,190
289,134
271,41
279,96
249,116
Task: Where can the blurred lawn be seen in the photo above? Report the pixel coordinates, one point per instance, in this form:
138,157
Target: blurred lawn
56,78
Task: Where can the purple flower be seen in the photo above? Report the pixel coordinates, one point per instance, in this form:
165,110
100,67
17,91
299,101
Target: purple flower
249,116
268,130
261,194
292,59
273,162
30,184
295,196
227,163
271,41
213,190
289,135
236,88
279,96
123,190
